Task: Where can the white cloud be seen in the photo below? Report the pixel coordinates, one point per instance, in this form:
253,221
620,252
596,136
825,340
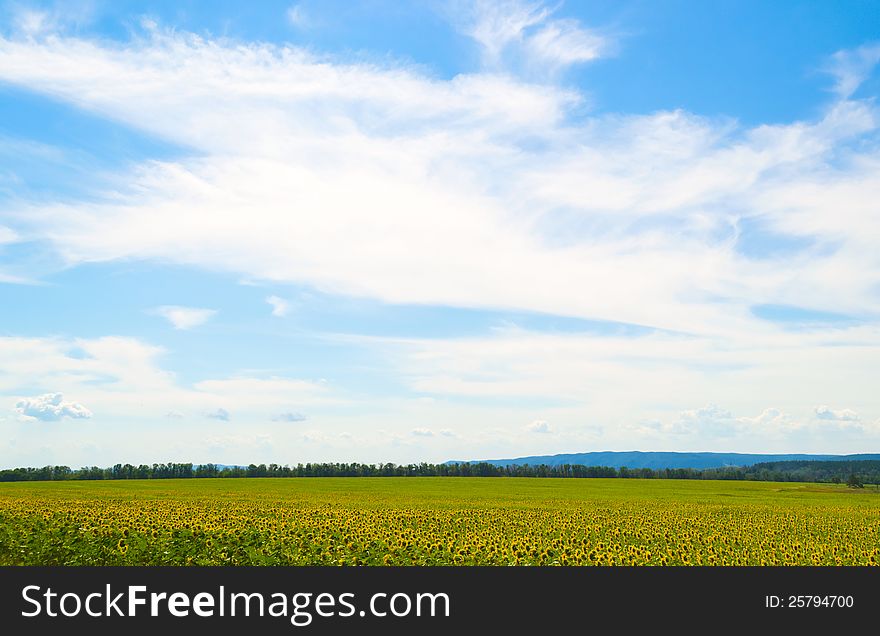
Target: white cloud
184,317
446,432
422,432
243,445
100,371
432,179
32,22
711,424
8,235
496,25
51,407
770,419
385,182
136,405
851,67
539,426
280,307
326,439
268,390
218,414
843,415
298,17
289,416
589,378
708,422
525,34
15,280
124,376
564,42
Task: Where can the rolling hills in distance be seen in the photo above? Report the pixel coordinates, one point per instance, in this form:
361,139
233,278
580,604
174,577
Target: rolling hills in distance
659,460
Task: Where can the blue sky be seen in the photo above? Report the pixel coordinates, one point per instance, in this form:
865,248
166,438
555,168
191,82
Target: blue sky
382,231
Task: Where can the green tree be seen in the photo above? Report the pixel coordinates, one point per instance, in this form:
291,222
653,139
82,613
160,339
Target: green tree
854,481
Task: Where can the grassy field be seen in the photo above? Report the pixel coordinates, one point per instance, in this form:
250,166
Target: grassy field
436,521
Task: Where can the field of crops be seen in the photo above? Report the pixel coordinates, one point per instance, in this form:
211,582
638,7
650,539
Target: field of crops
436,521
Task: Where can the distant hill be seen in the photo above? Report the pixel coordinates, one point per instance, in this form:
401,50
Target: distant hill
661,460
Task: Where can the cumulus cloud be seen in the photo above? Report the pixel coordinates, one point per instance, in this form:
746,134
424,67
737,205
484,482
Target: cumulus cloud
422,432
771,426
174,414
218,414
51,407
539,426
843,415
710,412
289,416
771,418
708,421
447,432
712,422
280,307
184,317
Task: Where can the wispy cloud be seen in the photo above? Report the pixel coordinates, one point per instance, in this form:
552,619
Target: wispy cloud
280,307
123,377
648,204
560,43
851,67
298,17
289,416
7,235
525,35
122,385
34,21
218,414
240,444
184,317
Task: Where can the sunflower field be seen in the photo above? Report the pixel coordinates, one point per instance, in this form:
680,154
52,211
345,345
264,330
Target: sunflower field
436,521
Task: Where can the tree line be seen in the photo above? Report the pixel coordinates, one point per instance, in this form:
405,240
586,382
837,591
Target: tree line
853,473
